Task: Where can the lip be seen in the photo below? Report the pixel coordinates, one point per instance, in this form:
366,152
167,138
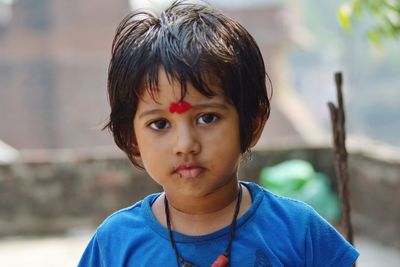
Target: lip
188,170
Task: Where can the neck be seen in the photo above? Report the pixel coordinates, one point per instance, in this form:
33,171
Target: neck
201,223
212,203
198,222
223,259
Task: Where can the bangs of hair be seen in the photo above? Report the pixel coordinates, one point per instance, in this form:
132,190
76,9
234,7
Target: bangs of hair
191,45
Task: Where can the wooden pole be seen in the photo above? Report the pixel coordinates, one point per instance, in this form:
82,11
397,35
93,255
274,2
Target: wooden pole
341,167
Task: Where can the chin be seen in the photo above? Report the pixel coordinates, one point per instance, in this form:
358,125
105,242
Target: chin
194,192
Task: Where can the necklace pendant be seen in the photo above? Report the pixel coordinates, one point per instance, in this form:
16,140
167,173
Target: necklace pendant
221,261
187,264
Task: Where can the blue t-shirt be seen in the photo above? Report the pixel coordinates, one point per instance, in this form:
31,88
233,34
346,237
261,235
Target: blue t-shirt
275,231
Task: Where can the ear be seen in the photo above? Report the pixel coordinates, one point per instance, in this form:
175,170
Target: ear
258,124
136,151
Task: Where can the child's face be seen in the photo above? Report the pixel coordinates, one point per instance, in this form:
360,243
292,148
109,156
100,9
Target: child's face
192,153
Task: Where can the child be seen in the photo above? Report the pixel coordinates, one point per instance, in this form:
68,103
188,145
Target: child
188,98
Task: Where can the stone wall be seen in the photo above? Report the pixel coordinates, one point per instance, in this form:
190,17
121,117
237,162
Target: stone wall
375,185
65,193
57,192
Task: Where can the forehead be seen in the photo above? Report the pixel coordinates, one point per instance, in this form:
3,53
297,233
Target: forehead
168,90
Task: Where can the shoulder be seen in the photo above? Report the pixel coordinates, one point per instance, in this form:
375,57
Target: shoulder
288,217
296,217
279,207
130,234
285,219
130,217
296,224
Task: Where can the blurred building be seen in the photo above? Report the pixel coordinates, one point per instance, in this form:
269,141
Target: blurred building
53,68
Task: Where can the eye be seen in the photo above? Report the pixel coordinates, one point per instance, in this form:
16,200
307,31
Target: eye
207,118
159,125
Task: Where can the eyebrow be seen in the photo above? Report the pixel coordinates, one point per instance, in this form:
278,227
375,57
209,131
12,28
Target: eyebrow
198,106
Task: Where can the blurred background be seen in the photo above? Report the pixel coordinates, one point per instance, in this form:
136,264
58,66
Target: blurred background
60,175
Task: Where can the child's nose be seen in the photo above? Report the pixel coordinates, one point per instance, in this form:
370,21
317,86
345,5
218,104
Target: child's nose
187,141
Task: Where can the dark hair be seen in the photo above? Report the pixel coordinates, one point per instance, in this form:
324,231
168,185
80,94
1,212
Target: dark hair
193,43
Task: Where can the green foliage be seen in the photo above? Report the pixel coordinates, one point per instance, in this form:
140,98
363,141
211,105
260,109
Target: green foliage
297,179
385,15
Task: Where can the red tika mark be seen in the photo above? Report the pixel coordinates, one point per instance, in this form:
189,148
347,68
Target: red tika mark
221,261
179,107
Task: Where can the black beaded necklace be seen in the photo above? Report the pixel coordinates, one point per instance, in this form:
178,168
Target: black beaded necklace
222,259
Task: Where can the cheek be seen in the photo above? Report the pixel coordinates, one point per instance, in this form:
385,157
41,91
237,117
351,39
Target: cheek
153,161
149,149
152,151
227,138
224,146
